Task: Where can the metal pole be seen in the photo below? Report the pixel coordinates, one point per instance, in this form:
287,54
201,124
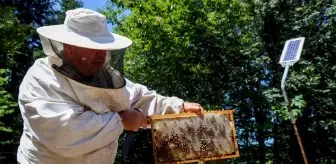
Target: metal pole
296,132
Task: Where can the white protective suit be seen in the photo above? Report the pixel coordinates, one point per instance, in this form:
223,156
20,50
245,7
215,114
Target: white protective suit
59,129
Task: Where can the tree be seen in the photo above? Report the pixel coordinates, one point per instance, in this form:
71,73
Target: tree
188,49
12,39
309,83
19,46
225,54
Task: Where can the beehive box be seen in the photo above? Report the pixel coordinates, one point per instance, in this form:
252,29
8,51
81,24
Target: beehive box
187,137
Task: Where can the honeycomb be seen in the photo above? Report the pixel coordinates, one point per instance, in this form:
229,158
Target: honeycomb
185,138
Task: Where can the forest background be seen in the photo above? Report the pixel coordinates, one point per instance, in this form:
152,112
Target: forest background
223,54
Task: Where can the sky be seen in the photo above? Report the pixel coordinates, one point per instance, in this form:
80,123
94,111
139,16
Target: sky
94,5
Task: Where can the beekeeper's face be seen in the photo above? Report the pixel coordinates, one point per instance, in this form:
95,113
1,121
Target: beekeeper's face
85,61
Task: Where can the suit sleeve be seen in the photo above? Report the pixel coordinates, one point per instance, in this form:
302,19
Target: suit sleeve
152,103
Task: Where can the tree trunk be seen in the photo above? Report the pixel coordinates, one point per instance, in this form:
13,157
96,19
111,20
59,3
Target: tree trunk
260,136
276,155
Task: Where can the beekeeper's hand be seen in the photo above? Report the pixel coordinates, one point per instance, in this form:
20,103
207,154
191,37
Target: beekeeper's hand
190,107
132,120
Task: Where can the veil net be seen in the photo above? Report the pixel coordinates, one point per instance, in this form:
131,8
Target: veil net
110,76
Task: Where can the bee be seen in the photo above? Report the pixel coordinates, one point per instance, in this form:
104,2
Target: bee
182,130
190,130
222,131
210,133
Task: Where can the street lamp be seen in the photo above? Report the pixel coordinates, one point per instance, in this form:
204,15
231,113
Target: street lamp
290,55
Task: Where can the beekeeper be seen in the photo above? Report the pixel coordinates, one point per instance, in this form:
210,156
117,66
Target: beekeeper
74,104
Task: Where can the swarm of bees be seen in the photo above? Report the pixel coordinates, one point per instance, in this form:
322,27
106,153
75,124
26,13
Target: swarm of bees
193,138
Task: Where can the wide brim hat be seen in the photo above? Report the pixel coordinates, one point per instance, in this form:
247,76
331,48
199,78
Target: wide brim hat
85,28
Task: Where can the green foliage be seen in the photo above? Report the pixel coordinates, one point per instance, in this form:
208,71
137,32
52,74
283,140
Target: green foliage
19,48
224,54
12,38
12,41
7,105
279,107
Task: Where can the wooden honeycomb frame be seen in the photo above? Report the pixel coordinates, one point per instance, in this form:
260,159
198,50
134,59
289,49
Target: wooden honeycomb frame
157,135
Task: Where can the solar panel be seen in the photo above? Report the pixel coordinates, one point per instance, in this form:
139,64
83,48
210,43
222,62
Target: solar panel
292,51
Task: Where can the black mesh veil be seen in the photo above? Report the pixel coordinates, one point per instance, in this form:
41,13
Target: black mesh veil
115,59
110,76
